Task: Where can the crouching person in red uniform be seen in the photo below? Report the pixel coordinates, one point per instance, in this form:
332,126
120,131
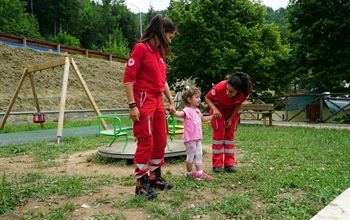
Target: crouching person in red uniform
225,100
145,82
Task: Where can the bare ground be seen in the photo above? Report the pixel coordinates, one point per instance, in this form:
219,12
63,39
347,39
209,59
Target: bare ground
78,164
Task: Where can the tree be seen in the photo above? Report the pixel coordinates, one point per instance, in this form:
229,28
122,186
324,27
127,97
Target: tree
127,22
103,19
58,16
116,44
219,37
148,17
15,20
320,42
280,19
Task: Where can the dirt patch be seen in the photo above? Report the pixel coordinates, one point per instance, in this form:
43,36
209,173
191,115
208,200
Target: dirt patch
102,202
15,165
89,205
77,164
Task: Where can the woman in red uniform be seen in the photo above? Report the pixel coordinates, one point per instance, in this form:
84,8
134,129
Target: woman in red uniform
225,100
145,82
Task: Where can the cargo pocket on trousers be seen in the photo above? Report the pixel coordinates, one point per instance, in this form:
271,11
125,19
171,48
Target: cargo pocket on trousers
143,127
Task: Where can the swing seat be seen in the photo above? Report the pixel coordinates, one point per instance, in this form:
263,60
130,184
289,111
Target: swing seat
39,117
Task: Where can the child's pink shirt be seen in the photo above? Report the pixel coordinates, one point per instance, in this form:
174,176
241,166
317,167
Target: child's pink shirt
192,124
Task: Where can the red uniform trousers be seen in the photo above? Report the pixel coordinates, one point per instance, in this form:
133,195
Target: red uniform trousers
150,132
223,139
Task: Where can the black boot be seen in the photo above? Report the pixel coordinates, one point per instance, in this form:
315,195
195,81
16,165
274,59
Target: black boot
143,188
159,182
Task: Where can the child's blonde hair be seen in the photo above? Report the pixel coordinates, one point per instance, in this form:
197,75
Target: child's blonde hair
189,93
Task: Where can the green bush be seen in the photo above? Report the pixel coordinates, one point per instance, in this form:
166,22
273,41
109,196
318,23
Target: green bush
65,38
116,44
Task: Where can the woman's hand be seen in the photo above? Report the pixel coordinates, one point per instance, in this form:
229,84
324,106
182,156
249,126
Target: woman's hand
216,113
135,114
228,122
172,109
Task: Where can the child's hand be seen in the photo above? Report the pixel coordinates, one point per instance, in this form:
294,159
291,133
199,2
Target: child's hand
207,118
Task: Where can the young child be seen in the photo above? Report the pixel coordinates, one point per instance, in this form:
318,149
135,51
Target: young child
192,136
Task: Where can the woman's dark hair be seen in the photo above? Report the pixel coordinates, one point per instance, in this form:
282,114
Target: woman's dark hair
241,82
189,93
158,26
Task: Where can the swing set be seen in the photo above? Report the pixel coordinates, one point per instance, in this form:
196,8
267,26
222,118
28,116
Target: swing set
39,117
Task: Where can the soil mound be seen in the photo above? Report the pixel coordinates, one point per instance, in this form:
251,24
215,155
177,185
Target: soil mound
103,78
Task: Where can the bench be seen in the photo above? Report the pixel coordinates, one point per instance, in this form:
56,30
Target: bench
265,110
115,127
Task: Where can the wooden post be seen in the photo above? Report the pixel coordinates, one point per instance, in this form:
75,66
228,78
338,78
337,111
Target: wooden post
13,99
24,41
321,108
87,91
286,109
63,100
36,101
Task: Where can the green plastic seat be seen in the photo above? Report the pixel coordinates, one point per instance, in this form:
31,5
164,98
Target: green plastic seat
173,128
115,129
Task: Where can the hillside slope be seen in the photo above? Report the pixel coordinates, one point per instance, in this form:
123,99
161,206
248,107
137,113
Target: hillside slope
103,78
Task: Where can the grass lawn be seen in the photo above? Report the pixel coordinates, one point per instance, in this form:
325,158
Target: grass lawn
284,173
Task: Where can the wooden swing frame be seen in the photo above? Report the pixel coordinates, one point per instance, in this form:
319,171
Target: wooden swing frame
29,71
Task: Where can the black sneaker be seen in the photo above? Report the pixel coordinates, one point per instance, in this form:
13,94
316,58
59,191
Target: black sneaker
160,183
145,190
230,169
217,169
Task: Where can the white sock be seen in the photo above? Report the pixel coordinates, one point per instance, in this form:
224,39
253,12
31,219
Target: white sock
200,172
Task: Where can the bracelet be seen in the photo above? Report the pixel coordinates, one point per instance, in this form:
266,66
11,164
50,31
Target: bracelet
132,105
171,97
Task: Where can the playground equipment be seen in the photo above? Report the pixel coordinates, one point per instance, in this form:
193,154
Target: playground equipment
173,127
29,71
114,128
39,117
120,125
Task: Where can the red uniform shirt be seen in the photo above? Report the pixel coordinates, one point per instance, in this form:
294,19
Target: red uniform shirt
146,68
219,97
